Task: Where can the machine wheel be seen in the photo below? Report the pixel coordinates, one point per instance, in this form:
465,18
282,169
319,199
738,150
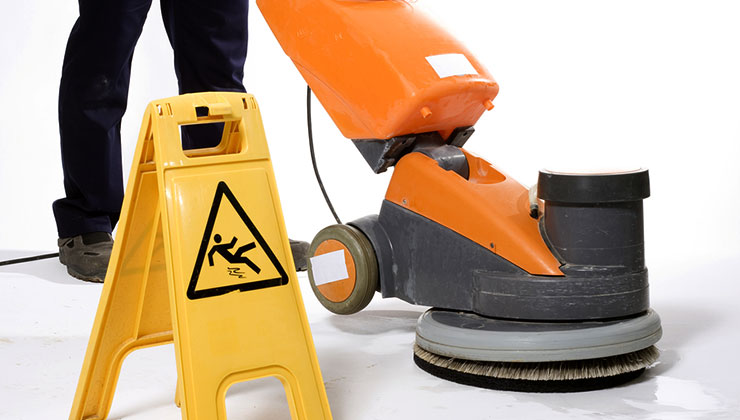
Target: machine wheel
344,265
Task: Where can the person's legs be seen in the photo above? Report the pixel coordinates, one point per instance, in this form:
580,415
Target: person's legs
92,100
210,44
209,40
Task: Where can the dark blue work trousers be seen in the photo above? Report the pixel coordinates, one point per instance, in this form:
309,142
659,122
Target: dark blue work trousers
209,39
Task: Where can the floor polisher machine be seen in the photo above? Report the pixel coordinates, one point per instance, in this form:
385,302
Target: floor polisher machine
543,290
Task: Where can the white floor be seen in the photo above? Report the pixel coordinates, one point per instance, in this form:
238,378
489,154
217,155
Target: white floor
365,359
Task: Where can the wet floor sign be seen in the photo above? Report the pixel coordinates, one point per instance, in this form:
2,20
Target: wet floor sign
202,258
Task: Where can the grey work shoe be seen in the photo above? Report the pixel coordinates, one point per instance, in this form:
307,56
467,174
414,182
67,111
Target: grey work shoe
86,256
300,257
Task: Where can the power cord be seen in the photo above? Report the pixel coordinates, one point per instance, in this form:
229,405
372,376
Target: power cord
28,259
313,155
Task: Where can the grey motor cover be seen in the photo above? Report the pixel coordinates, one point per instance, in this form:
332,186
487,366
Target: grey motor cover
465,335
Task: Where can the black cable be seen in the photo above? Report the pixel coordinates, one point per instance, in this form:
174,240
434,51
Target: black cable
313,155
29,259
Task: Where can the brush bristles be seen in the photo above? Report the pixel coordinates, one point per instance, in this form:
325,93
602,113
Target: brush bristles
547,371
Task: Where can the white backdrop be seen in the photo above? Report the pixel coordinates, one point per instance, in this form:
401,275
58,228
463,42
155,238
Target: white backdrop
583,84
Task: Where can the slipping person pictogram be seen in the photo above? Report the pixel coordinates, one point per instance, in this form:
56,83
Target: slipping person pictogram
235,258
220,262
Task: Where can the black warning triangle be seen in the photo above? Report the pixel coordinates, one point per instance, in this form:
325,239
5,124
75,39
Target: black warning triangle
223,190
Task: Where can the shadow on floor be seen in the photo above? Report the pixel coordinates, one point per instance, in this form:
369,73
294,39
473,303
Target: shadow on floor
369,322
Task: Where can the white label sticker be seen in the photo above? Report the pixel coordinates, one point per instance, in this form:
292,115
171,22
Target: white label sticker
447,65
329,267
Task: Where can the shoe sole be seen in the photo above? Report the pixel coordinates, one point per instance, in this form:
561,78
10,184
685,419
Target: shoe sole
83,277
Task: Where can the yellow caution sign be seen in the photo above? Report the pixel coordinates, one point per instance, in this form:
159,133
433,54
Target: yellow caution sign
202,258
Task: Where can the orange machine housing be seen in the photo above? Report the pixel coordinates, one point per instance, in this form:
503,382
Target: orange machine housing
489,208
368,62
